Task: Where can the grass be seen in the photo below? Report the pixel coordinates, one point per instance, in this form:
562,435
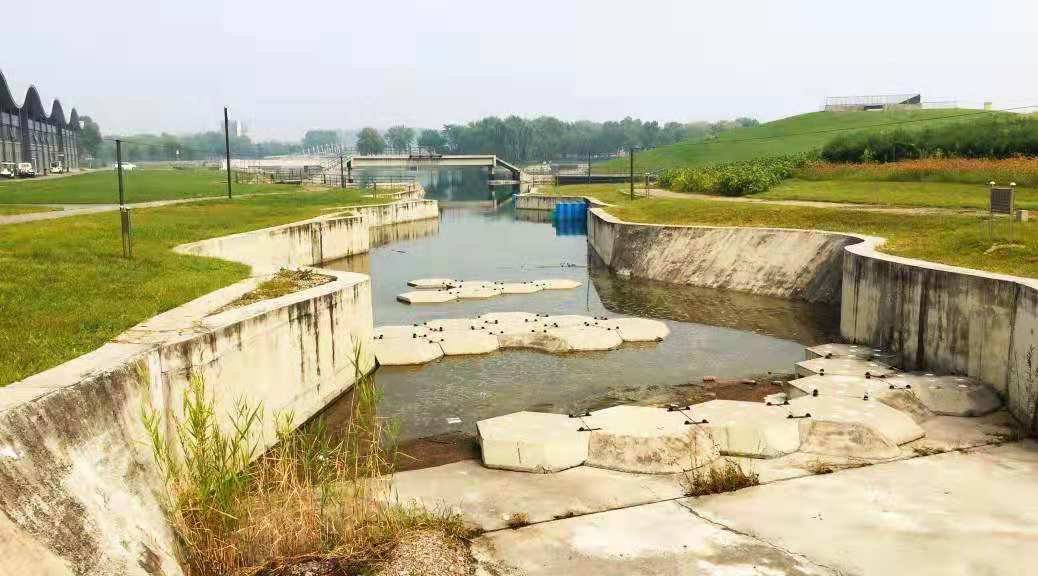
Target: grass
284,282
925,194
307,501
518,520
141,185
66,290
781,137
959,240
725,476
10,210
1022,170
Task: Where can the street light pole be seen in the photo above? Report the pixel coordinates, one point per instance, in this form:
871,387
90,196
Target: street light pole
227,149
631,175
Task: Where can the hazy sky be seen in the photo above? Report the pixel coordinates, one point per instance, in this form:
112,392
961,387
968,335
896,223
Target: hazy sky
287,66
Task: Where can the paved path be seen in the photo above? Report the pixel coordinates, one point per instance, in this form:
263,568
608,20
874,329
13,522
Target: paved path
659,193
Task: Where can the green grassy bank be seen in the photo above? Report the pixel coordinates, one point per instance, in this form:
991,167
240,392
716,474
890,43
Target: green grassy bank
919,194
66,289
958,240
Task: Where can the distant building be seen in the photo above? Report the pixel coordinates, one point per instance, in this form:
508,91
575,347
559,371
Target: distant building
236,128
875,102
29,134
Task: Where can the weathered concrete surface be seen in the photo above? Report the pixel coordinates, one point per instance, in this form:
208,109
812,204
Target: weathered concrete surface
509,318
519,287
647,440
949,395
751,429
651,540
534,341
465,343
533,442
399,332
24,555
432,283
955,513
428,296
799,264
945,319
406,351
838,350
486,498
588,338
558,284
637,329
840,426
568,320
843,367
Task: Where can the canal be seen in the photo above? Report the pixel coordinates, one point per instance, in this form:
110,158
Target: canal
481,236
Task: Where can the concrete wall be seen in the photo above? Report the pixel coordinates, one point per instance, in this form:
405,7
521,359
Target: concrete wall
945,318
534,201
797,264
78,488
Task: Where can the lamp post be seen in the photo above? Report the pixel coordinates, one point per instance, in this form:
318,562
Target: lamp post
631,151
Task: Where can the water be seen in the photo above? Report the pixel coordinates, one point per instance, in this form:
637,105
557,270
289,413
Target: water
481,236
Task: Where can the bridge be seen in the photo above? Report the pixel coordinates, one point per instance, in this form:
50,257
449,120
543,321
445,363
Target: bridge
491,161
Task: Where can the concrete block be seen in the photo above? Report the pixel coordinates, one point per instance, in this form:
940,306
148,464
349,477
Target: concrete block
399,332
558,284
588,338
534,340
949,395
850,427
462,343
428,296
837,385
405,351
647,440
453,325
532,442
509,317
568,320
751,429
433,283
844,366
519,287
852,351
637,329
474,292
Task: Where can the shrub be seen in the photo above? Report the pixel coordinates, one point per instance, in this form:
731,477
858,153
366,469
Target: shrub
1022,170
734,178
725,476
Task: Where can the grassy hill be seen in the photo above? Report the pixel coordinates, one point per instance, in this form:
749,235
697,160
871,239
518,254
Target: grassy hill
785,136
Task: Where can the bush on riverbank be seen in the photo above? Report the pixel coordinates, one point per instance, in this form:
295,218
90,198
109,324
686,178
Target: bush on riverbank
989,136
1022,170
309,503
734,178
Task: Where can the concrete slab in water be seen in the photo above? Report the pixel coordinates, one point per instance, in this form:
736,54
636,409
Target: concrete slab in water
453,325
837,350
534,340
519,287
432,283
949,395
399,332
428,296
844,366
568,320
509,317
647,440
637,329
751,429
532,442
842,426
474,292
837,385
650,540
405,351
558,284
588,338
462,343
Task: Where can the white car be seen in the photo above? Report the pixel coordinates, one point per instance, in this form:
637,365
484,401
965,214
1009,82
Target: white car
7,170
26,170
56,168
126,166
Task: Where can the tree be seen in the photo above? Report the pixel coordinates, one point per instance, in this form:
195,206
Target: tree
314,138
400,138
369,141
89,137
432,141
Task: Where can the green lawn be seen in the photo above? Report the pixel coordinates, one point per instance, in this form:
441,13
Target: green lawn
950,239
141,185
933,194
65,289
776,138
9,210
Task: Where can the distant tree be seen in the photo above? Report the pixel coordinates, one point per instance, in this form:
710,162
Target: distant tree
89,137
400,138
314,138
432,141
369,141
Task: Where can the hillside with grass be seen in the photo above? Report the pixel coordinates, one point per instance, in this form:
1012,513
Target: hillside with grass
791,135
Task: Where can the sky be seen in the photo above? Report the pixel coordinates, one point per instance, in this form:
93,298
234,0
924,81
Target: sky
285,67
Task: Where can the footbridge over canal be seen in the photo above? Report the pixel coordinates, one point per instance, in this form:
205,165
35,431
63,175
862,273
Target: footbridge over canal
491,161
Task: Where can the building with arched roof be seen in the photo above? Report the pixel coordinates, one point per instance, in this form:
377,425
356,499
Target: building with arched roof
28,133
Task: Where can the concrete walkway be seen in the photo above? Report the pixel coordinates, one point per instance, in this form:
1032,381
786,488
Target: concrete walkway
660,193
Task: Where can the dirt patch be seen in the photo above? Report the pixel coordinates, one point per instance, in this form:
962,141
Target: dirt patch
436,451
429,553
282,283
753,389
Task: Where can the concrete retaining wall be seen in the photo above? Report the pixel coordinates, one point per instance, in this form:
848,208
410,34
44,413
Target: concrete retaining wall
78,488
796,264
534,201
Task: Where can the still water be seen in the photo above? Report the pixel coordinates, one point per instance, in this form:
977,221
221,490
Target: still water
481,236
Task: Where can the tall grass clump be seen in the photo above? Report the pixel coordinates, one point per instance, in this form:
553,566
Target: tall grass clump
236,511
1022,170
734,178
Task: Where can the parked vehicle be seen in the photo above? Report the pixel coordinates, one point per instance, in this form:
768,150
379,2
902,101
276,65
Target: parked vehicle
56,168
7,170
26,170
126,166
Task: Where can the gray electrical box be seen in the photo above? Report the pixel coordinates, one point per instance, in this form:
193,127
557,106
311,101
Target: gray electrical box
1002,199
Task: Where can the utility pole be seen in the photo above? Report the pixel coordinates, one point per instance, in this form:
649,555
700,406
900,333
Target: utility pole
227,149
589,166
124,211
631,152
342,173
